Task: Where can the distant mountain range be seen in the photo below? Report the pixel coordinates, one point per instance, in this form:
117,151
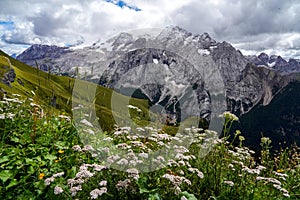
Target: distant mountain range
261,89
276,62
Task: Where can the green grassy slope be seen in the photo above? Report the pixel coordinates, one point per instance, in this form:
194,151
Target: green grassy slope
49,87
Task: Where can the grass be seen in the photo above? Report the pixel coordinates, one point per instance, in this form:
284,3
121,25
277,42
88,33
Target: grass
49,88
43,157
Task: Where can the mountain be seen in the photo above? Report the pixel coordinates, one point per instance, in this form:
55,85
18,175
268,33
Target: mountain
276,62
181,74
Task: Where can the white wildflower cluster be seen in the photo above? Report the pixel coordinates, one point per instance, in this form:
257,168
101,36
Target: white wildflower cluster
197,171
7,116
230,183
281,175
75,184
229,116
134,107
12,100
124,184
87,148
276,184
133,173
77,148
176,181
51,179
86,123
98,192
58,190
68,118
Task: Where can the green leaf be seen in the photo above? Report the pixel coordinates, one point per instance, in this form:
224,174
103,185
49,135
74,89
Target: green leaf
50,157
154,196
12,183
188,195
4,159
61,145
30,170
5,175
15,139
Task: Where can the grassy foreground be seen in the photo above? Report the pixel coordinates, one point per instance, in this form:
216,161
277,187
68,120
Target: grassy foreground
42,157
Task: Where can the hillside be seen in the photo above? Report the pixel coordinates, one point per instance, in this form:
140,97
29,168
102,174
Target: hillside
56,91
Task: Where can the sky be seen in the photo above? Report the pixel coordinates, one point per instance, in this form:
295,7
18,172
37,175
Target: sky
254,26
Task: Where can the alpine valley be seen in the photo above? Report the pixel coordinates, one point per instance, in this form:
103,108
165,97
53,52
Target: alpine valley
166,65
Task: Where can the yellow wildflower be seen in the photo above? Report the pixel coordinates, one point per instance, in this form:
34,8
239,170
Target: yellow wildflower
61,151
280,170
41,176
56,161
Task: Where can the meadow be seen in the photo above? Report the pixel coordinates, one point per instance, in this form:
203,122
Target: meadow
42,156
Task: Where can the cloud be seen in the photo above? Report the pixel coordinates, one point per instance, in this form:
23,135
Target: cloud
252,26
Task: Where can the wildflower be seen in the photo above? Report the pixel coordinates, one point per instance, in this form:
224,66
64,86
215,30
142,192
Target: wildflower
111,159
74,190
177,190
280,170
103,183
237,132
84,174
58,190
143,155
58,174
108,139
134,173
160,158
48,181
41,176
65,117
123,146
241,138
89,131
181,162
229,116
76,148
87,148
230,183
286,195
96,193
278,187
123,184
265,140
99,167
123,161
139,129
61,151
260,167
195,170
86,122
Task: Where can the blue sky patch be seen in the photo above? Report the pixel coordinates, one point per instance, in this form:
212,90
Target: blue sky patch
123,4
7,24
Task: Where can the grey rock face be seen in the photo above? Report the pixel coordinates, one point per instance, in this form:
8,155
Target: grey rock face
8,77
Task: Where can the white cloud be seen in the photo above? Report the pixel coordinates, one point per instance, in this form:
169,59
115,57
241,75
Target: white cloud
252,26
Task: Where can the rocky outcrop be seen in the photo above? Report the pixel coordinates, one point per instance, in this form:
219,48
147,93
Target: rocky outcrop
9,77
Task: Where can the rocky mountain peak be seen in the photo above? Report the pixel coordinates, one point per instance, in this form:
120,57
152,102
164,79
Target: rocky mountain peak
38,51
